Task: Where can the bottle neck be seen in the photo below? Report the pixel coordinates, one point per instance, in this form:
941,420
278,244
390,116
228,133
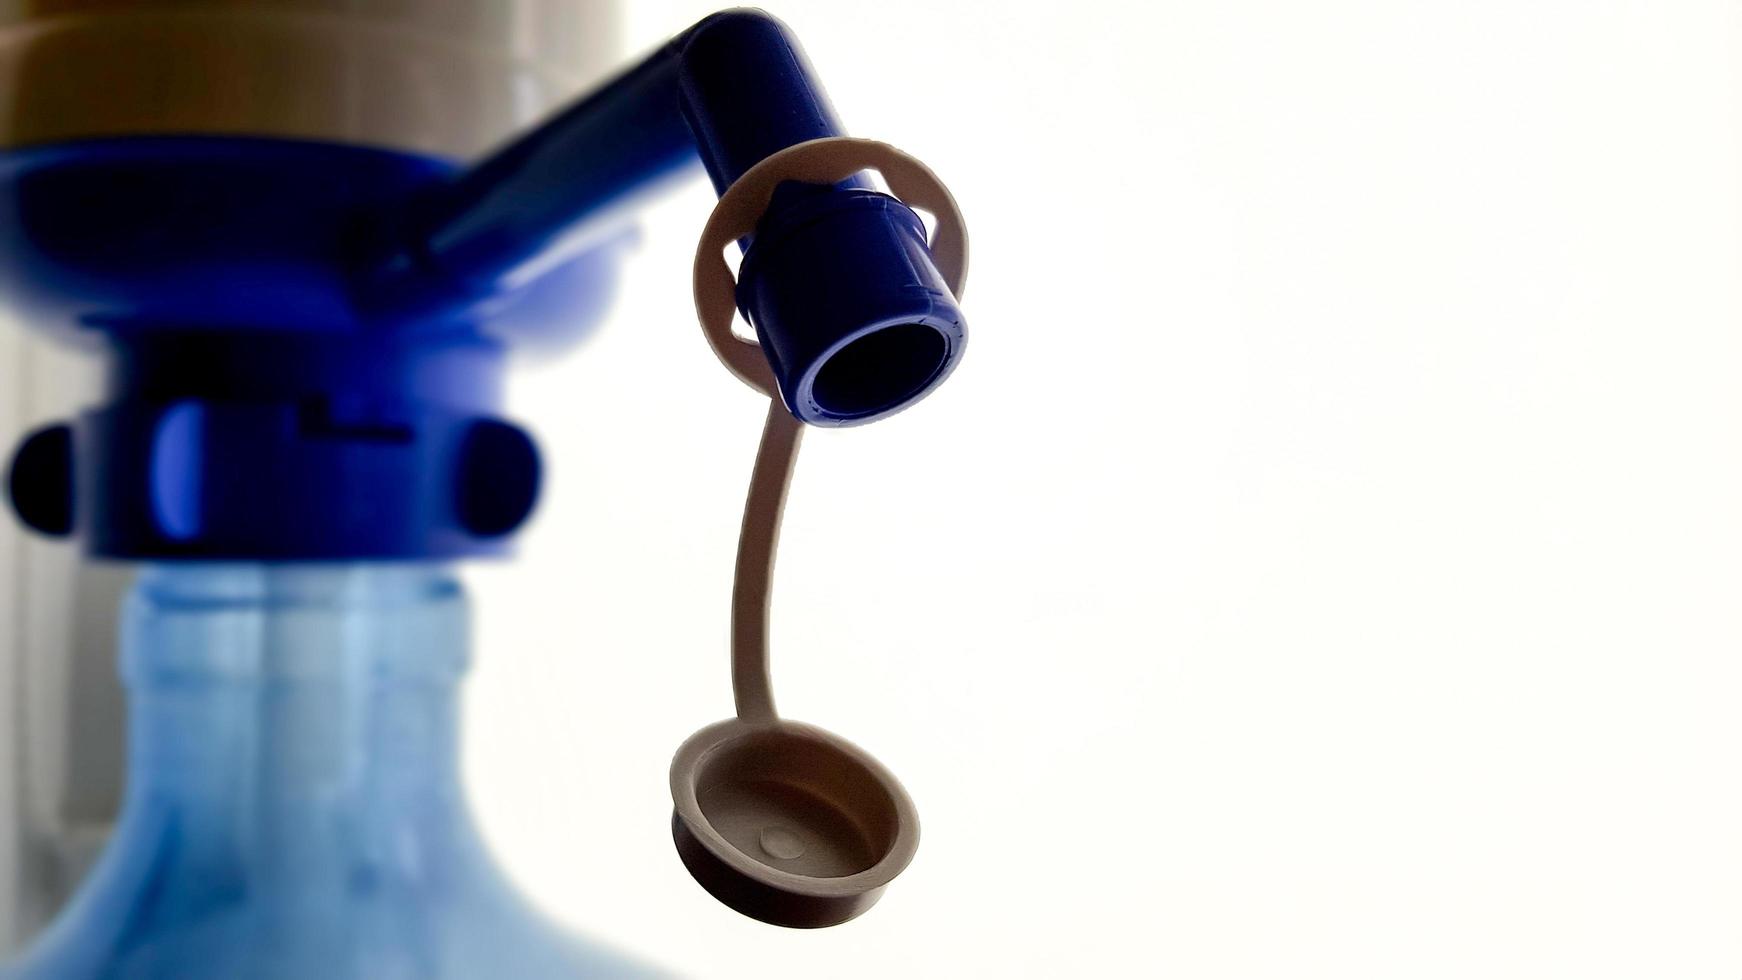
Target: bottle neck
293,808
259,689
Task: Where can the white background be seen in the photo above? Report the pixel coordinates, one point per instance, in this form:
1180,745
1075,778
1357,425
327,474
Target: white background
1326,562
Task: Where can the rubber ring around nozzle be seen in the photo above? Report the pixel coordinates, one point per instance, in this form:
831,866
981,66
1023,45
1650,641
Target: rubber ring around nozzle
819,161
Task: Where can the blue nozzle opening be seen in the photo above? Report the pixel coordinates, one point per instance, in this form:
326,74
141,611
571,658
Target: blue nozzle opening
880,371
852,313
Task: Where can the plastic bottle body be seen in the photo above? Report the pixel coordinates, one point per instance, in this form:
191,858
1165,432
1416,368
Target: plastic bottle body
293,806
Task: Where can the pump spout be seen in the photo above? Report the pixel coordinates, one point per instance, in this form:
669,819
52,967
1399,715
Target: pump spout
838,280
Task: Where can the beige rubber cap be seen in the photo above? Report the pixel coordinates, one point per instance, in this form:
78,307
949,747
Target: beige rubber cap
787,823
782,821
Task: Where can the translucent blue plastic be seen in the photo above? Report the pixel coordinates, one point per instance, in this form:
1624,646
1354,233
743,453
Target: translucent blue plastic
293,806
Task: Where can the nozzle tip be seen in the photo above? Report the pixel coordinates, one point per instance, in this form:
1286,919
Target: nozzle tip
880,371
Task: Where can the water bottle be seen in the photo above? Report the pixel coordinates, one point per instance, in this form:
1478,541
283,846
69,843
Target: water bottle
293,804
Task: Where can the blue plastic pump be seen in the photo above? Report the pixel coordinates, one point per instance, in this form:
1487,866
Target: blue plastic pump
307,340
306,348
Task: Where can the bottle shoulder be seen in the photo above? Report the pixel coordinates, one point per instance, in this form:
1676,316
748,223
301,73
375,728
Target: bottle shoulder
160,906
